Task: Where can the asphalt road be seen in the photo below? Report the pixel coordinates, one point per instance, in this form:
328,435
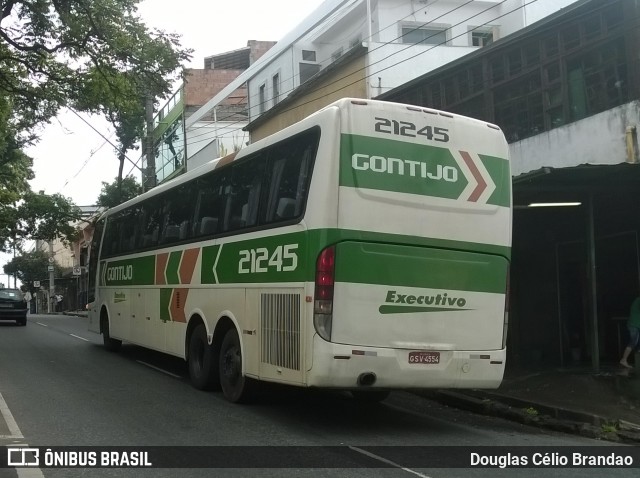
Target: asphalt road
59,387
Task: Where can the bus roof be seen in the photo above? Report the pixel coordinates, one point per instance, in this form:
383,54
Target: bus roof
218,162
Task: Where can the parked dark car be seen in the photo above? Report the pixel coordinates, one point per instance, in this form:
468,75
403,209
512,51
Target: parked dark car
13,306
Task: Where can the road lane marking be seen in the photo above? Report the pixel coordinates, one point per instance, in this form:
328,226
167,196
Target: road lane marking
8,418
16,433
78,337
158,369
40,323
388,462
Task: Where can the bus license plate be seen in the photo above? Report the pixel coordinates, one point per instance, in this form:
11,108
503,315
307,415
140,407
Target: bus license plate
424,357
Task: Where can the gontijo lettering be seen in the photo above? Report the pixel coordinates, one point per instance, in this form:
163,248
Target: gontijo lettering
117,273
403,167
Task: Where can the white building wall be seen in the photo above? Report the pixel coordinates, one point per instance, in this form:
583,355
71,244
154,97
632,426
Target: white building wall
394,65
339,27
201,145
596,140
542,8
283,66
391,62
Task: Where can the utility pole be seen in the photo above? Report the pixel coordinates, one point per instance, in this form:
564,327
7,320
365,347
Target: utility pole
15,285
52,278
149,179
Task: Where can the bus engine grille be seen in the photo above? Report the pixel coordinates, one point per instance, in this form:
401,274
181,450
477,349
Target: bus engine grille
280,322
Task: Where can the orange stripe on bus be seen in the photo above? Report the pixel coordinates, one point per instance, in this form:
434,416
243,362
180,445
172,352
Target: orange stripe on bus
161,264
188,265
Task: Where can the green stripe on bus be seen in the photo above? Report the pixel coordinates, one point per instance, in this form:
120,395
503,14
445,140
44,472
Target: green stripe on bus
407,309
165,303
389,165
270,259
398,166
500,172
133,271
398,265
275,259
173,266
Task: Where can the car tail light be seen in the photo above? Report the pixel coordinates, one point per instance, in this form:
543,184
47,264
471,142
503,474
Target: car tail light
323,297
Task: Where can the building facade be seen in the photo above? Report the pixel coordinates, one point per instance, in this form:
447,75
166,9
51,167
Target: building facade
214,134
566,92
401,40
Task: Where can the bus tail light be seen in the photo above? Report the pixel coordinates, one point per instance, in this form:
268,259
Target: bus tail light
323,303
507,291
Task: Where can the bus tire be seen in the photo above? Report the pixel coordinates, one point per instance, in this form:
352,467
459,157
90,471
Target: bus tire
370,396
202,366
236,387
112,345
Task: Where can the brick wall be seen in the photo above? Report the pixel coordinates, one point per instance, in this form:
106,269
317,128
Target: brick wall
202,85
258,48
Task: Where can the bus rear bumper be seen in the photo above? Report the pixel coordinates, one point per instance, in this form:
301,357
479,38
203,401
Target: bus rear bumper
345,366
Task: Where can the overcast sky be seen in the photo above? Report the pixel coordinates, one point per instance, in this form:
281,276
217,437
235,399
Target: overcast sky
73,159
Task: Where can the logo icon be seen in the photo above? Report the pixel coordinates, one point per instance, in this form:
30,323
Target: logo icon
23,456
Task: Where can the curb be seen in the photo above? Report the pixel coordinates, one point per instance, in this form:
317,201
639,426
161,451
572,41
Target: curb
75,314
539,415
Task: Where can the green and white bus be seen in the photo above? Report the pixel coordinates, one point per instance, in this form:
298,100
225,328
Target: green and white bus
365,248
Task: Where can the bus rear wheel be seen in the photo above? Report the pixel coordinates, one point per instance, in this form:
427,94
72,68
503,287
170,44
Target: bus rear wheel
236,387
202,366
112,345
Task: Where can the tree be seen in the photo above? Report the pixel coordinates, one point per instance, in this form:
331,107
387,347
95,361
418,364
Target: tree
48,217
31,266
111,195
15,172
95,55
38,216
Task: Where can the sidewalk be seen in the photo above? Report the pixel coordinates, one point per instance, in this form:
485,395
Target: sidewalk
76,313
573,400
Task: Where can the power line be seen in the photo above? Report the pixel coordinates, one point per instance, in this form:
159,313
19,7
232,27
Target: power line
119,150
329,59
573,18
392,54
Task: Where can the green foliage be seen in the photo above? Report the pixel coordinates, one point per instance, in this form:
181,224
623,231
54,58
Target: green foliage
96,56
31,266
47,217
37,216
113,193
15,171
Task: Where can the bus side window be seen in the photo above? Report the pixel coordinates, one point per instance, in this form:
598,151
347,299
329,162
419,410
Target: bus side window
209,204
286,208
151,223
245,195
289,169
177,214
129,229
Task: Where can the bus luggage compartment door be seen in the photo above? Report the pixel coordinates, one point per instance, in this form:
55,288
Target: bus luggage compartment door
411,297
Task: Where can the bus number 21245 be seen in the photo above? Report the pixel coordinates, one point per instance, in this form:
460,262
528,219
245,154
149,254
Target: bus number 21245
259,260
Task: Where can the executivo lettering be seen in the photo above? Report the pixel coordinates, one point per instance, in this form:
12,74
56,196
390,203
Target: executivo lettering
398,303
403,167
